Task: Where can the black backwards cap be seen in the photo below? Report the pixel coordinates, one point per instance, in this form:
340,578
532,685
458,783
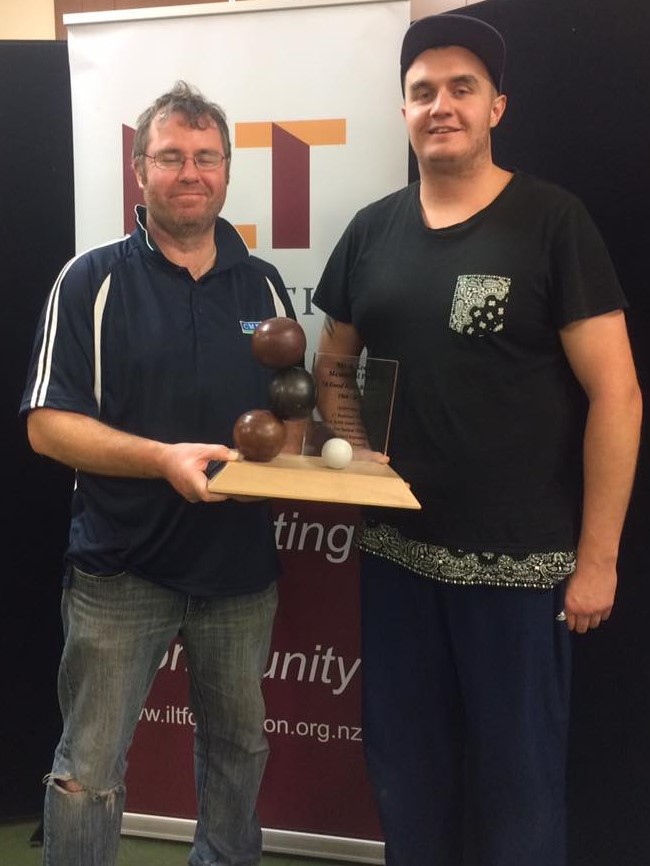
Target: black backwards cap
437,31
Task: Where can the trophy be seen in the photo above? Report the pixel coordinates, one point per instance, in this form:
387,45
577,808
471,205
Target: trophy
325,434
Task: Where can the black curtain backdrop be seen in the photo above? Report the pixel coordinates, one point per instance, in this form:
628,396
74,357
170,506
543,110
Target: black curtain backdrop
36,238
578,84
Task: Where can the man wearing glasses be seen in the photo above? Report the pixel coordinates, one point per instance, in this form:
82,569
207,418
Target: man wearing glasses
142,357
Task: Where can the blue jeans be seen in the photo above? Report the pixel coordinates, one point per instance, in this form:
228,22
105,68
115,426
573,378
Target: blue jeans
117,630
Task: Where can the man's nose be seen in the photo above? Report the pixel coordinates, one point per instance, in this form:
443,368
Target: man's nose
442,103
189,171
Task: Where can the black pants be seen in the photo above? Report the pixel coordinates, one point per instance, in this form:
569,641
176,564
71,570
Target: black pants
466,699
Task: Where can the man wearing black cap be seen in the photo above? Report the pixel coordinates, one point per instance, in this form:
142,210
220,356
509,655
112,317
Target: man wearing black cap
516,422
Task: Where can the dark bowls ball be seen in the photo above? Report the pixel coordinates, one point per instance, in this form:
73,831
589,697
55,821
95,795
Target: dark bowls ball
292,393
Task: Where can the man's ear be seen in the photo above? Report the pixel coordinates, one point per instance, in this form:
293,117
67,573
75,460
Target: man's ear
137,166
498,109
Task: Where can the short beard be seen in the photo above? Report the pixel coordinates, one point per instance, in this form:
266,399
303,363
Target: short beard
185,229
464,165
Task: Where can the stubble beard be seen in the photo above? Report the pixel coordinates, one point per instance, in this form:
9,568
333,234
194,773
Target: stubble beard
459,164
182,227
185,228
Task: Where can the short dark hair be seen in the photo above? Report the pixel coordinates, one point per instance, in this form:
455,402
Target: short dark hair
183,99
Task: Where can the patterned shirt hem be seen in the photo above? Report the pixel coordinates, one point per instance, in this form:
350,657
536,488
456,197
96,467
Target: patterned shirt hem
532,571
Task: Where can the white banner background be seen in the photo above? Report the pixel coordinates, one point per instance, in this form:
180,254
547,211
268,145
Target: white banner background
261,63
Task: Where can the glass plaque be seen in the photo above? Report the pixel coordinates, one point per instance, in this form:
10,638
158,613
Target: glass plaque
355,397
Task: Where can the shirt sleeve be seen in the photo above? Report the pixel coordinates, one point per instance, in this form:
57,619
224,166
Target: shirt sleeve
583,280
61,370
332,294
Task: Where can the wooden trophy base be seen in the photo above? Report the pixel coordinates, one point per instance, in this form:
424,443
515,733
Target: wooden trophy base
295,476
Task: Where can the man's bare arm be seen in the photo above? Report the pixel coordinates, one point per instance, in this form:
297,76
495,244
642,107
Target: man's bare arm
342,339
599,353
84,443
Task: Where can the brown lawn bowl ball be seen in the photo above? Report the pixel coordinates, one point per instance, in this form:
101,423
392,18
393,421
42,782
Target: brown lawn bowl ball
292,393
279,343
259,435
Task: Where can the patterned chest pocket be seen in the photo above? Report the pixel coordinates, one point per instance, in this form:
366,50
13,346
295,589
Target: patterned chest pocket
479,304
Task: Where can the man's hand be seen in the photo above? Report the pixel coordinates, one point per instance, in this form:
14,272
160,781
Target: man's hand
367,454
184,465
589,597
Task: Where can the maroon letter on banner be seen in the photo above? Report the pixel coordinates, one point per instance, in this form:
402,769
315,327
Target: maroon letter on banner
290,162
130,189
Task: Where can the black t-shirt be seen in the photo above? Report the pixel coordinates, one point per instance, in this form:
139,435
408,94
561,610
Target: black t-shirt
488,418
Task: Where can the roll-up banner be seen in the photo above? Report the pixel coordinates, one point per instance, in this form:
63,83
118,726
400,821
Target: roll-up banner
311,91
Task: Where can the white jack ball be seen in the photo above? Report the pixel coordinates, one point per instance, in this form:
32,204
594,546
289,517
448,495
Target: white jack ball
336,453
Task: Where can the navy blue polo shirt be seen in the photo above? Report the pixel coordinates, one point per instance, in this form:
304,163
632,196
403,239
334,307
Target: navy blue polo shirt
131,339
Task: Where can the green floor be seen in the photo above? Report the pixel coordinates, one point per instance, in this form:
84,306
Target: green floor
15,850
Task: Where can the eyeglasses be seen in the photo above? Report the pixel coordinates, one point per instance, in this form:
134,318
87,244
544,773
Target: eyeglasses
171,160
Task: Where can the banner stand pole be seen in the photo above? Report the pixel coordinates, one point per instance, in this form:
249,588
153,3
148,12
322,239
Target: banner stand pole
273,841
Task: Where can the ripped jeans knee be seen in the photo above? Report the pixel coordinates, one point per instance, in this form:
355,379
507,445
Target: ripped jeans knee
82,818
66,784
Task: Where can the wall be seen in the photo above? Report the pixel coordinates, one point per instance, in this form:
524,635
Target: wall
32,20
43,19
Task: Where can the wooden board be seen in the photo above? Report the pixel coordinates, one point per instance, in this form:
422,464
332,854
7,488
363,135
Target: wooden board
293,476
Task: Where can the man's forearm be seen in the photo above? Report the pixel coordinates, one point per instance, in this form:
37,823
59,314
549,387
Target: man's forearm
610,450
91,446
611,445
84,443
